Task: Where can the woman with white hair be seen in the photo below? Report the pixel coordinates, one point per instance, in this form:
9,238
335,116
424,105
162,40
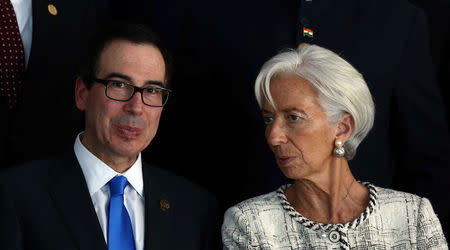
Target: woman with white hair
317,109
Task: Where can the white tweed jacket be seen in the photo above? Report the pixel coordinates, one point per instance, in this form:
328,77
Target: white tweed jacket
392,220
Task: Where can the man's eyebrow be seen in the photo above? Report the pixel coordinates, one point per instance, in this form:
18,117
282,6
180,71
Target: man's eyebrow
129,79
119,75
158,83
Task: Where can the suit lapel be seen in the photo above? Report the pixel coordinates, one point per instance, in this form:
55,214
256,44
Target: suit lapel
38,12
158,220
71,197
35,7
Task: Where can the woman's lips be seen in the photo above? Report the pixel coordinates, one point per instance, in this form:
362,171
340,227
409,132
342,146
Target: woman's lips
284,160
129,132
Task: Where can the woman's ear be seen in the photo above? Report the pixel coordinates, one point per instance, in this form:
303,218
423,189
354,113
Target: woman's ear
345,127
81,94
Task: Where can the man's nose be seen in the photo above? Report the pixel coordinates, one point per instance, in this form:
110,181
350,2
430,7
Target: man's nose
276,133
135,105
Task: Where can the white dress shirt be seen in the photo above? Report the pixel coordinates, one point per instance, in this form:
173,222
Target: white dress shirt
98,174
24,15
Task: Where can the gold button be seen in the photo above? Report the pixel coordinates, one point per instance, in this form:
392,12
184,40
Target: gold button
164,204
52,9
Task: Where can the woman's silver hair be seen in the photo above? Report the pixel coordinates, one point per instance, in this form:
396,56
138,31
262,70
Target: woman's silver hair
341,88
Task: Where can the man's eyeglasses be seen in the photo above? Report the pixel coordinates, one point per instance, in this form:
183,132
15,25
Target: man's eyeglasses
122,91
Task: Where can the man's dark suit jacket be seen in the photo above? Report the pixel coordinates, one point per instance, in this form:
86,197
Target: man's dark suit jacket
46,119
46,205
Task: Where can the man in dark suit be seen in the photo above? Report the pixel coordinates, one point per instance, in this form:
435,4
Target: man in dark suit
59,33
102,194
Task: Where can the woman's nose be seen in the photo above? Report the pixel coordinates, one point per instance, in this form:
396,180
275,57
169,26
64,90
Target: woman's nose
276,133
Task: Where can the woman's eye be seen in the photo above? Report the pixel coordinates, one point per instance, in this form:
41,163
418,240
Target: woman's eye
268,120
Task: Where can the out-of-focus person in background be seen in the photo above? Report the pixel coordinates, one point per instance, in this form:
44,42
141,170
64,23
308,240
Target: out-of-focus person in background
317,109
41,44
438,22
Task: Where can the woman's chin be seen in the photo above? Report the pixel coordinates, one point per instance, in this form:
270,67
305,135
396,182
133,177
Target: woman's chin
291,172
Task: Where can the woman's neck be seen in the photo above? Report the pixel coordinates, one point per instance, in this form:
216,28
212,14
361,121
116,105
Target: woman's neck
333,197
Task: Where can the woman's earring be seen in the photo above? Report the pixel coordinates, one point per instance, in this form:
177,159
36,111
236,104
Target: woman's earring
339,151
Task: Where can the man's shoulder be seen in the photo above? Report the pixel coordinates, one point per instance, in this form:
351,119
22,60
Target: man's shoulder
38,171
173,183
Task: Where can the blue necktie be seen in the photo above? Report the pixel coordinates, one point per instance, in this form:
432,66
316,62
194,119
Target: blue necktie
120,232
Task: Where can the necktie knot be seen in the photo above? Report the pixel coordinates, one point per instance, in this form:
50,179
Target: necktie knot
117,185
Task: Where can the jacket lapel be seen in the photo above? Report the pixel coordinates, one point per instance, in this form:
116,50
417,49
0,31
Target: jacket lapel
71,197
158,211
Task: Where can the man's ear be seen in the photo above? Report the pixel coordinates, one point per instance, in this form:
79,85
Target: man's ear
345,127
81,93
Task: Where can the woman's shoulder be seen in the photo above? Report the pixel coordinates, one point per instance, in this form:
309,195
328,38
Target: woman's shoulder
251,221
409,214
261,215
268,204
260,202
394,197
412,206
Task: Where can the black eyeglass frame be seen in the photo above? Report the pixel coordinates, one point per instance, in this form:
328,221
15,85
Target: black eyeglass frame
135,89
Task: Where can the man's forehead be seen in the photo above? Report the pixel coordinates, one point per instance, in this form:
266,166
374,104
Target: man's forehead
123,43
130,59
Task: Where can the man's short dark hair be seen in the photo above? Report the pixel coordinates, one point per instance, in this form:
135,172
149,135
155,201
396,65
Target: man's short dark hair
114,31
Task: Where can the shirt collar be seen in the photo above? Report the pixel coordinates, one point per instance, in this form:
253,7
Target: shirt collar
98,174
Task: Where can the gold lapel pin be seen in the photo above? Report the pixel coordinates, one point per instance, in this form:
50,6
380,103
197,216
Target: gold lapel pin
164,204
52,9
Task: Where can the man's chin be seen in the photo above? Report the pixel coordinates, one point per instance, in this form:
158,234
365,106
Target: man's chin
128,148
